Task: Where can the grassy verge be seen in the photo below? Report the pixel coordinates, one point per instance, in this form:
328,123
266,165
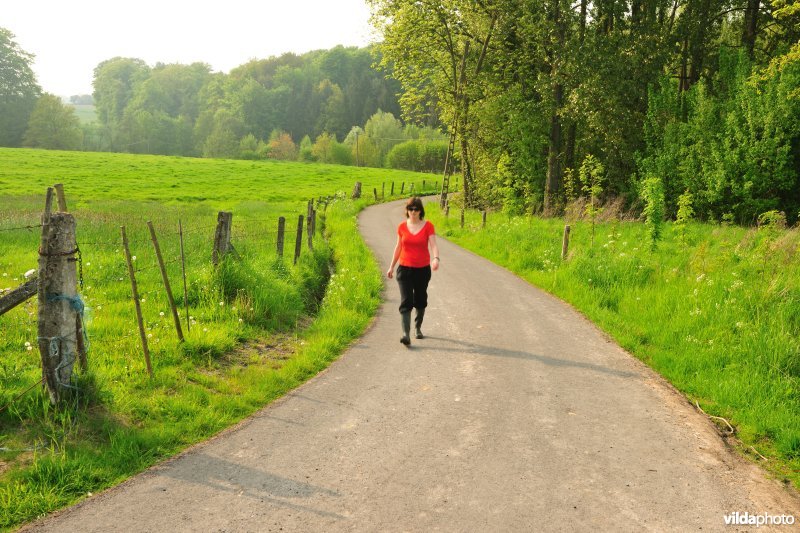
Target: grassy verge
259,326
715,310
123,428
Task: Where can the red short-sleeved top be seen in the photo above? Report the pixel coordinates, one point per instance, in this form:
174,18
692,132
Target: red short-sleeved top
414,247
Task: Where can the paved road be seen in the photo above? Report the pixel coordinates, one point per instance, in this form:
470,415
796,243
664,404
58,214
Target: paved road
514,414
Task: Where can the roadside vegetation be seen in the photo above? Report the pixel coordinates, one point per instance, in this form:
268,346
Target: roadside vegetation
713,308
259,326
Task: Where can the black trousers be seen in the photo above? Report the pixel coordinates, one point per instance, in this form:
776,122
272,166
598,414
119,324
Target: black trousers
413,287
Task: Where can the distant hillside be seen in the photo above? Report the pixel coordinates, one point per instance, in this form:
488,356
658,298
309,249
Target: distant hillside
86,112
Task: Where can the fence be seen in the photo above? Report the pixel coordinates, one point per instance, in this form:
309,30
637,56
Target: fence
94,273
137,279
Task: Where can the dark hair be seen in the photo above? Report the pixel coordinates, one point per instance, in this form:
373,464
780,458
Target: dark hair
416,202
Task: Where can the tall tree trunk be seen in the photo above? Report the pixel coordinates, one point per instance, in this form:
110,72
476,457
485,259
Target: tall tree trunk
569,144
750,26
684,74
553,184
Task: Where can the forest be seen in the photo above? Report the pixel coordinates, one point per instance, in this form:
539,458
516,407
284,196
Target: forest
665,103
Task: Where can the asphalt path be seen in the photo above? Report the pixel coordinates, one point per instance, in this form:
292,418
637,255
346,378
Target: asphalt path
514,414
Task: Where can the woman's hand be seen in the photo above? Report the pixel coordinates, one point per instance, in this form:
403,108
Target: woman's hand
389,273
435,263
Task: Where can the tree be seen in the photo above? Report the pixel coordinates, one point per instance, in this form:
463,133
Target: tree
281,146
18,90
53,125
115,82
437,50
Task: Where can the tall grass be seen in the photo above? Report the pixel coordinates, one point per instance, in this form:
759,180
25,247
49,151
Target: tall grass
714,309
259,326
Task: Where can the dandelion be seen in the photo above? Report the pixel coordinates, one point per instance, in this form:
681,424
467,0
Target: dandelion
99,307
142,300
700,278
205,330
241,320
221,304
27,343
161,313
133,258
149,335
5,274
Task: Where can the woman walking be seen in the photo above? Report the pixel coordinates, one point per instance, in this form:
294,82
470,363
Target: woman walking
416,245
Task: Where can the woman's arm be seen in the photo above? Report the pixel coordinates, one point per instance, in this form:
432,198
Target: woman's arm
434,252
395,257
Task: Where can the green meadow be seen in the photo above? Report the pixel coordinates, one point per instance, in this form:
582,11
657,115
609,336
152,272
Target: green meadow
86,113
714,309
255,327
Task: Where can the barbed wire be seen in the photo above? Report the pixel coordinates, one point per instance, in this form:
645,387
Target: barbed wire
28,228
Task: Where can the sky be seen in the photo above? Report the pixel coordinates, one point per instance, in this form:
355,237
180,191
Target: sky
69,39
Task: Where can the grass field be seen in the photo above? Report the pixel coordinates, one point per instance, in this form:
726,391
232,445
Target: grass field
715,309
259,326
85,113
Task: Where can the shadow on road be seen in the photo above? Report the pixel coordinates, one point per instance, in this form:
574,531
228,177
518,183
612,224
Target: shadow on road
494,351
235,478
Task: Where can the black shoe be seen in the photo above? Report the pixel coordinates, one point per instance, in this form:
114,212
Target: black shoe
406,321
418,323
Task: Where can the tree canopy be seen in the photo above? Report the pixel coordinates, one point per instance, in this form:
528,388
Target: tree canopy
699,94
18,90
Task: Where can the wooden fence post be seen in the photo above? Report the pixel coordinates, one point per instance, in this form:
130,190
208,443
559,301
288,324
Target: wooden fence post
165,278
62,199
392,192
136,301
281,233
357,191
565,243
183,271
462,217
402,188
222,237
310,229
483,223
299,240
383,190
59,305
9,300
375,192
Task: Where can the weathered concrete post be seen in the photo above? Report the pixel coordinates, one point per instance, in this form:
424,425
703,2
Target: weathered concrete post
222,237
59,304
